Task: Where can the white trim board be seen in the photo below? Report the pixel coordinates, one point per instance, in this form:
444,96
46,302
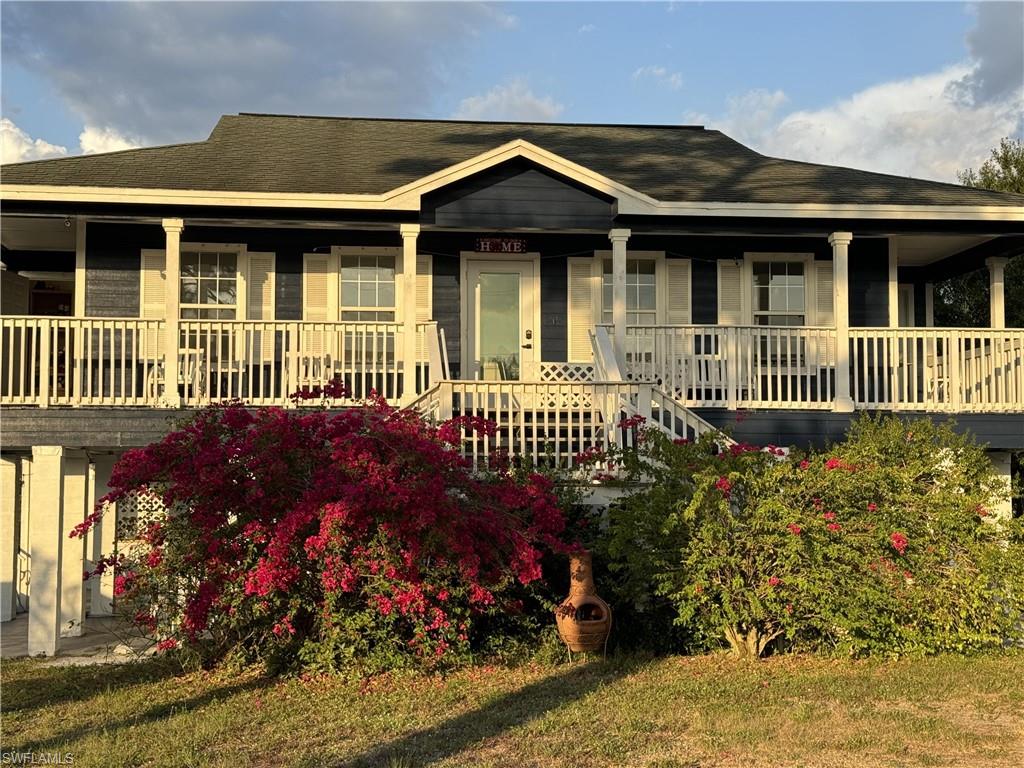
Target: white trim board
408,197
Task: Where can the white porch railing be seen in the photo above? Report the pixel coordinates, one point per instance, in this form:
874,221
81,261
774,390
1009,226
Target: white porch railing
75,361
749,366
115,362
938,369
548,423
120,362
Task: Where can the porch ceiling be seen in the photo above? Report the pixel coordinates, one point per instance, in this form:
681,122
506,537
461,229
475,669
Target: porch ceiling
37,234
920,250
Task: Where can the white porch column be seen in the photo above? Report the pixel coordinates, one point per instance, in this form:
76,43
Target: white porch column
410,233
103,536
172,370
840,242
619,238
894,284
8,541
1002,507
72,587
45,540
996,271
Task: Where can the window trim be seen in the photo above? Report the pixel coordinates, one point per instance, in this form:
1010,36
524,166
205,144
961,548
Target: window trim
241,251
337,251
660,285
810,283
399,279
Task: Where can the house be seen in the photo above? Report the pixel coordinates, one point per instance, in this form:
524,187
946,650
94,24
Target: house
553,277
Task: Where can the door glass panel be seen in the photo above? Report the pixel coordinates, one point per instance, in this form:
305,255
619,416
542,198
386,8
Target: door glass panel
499,325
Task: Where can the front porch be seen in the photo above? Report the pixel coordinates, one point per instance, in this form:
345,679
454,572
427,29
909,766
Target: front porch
554,336
80,362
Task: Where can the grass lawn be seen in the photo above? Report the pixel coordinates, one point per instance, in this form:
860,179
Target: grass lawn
666,712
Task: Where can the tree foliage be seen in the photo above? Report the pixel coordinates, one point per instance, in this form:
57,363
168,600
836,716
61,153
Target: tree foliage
882,545
963,301
357,540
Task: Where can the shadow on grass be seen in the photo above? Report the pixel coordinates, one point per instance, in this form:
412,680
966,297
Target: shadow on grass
448,738
34,686
143,717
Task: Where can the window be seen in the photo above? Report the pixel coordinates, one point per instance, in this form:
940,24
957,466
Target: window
641,292
209,285
368,287
779,293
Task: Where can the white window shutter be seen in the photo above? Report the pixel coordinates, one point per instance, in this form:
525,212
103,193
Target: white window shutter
581,306
319,287
316,287
424,287
730,293
824,299
153,299
677,290
260,289
153,285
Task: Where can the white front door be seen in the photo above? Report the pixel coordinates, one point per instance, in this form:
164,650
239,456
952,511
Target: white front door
501,321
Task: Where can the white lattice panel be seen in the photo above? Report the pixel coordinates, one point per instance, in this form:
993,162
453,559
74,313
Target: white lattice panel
566,372
134,511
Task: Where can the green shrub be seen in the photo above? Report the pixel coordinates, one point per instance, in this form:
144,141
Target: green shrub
881,545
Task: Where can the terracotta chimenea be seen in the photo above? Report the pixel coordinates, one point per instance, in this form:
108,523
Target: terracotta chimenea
584,620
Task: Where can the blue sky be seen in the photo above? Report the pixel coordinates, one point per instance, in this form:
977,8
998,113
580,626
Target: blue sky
909,88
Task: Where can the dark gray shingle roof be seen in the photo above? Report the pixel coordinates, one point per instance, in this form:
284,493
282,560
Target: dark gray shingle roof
274,153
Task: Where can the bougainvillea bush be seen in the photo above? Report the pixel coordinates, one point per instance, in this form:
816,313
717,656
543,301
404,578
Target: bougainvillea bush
883,544
351,540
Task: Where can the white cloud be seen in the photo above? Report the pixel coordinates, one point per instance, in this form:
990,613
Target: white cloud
928,126
16,146
167,71
586,28
94,140
996,48
660,75
511,101
912,127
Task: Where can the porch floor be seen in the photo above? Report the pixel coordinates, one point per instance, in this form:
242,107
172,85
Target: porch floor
104,640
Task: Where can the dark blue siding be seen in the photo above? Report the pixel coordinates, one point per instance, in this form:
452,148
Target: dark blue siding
704,291
517,195
113,260
554,292
869,283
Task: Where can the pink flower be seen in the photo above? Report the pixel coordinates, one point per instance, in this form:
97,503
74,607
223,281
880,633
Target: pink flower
805,464
899,542
829,516
724,486
774,581
834,527
833,463
167,645
872,507
795,529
